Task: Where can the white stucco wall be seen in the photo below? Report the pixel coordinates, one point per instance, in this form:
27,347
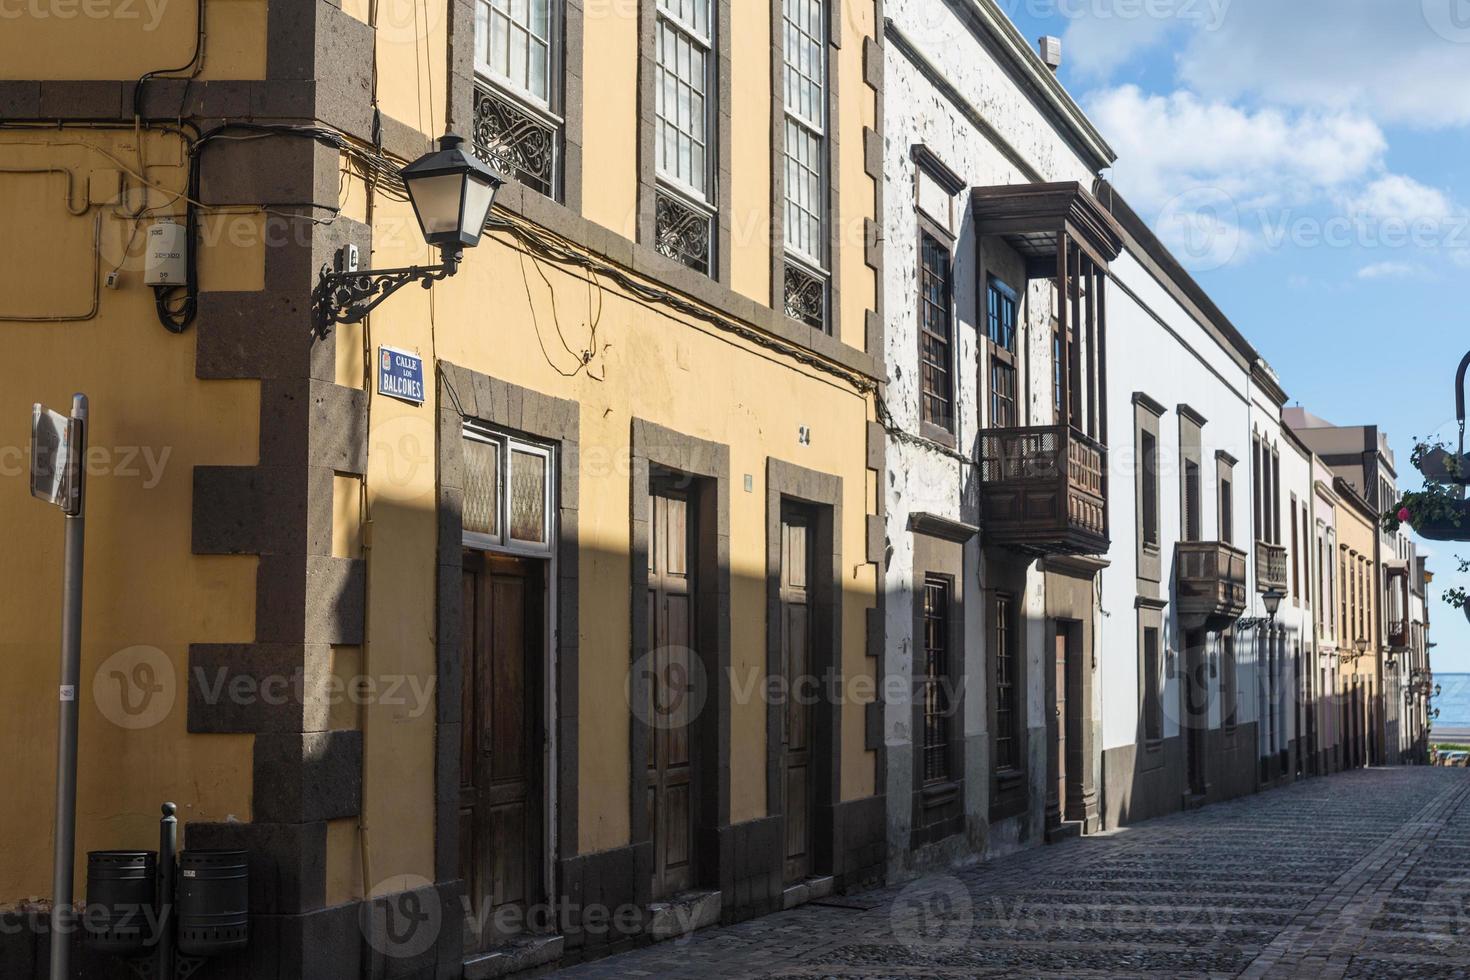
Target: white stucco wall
1157,348
920,478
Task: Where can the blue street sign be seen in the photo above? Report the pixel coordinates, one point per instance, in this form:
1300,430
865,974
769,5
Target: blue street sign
401,375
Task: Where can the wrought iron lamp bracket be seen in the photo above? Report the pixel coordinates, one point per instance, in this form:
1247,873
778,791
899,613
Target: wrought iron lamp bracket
347,297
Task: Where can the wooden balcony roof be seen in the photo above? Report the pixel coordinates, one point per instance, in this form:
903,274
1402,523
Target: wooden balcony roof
1031,218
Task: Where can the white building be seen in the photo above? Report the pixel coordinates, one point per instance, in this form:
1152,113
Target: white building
1179,722
995,491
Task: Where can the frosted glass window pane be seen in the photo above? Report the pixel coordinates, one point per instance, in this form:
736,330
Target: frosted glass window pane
528,497
482,487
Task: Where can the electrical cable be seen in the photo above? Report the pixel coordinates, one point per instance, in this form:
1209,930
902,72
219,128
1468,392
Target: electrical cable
193,59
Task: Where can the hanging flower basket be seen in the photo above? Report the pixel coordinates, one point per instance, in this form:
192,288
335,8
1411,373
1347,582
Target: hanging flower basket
1451,522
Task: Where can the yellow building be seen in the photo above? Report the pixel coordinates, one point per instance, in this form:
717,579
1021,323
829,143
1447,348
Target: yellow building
1359,650
502,675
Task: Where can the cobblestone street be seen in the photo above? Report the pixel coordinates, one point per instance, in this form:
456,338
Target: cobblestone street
1364,874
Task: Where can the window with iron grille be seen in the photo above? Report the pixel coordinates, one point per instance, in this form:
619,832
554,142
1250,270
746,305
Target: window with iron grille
1153,708
1000,343
936,391
1007,754
806,160
936,680
517,53
684,69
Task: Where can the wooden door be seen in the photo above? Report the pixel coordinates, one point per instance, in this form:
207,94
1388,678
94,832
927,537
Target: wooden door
501,835
796,658
672,772
1060,746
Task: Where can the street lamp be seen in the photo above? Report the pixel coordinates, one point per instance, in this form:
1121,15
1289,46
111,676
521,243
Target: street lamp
451,191
1272,599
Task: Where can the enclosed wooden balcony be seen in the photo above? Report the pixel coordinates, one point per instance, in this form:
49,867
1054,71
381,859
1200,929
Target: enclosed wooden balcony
1209,584
1270,567
1043,490
1396,617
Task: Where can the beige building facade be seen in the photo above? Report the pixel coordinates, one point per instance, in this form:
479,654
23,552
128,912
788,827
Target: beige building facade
536,630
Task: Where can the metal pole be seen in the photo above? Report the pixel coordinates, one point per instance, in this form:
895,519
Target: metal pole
66,716
168,872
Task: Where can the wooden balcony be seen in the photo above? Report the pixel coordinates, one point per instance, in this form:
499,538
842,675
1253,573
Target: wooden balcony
1397,614
1270,567
1043,490
1209,584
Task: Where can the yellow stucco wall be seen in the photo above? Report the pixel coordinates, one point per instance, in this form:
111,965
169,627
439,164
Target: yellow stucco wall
152,422
145,587
499,314
123,39
1358,533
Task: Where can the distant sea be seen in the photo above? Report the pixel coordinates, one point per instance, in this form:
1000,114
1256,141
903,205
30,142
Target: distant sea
1453,704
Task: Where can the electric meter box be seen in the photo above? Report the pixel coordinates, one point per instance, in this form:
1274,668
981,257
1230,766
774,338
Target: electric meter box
168,255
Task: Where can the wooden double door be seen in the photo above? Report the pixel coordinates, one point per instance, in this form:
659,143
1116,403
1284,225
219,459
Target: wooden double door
502,836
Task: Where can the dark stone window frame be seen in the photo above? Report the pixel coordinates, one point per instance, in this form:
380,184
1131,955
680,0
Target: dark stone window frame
1009,790
780,258
1147,415
649,185
1191,434
1151,619
566,93
1229,686
938,808
1004,606
947,436
1225,496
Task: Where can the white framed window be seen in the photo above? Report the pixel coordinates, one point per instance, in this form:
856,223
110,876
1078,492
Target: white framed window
806,128
517,60
804,28
513,45
684,59
509,493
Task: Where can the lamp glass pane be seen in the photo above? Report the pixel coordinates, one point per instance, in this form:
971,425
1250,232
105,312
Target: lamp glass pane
478,197
438,202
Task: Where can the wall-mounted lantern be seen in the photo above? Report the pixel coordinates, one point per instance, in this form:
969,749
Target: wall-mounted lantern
452,191
1271,599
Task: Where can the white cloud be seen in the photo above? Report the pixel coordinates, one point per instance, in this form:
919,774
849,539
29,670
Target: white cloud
1394,61
1171,144
1395,196
1392,270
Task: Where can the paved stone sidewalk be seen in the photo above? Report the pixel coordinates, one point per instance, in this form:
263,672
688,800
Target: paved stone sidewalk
1364,874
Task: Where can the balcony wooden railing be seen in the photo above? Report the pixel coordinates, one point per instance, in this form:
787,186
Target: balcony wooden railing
1270,566
1209,583
1043,490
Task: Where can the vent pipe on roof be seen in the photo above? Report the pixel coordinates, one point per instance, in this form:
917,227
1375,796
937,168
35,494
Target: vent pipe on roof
1050,49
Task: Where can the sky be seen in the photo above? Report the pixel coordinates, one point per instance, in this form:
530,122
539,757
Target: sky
1306,161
